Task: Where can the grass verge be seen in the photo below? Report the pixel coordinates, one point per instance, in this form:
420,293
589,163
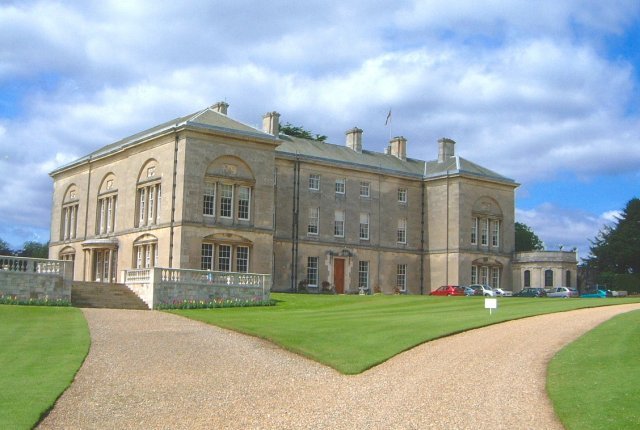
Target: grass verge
594,382
353,333
42,349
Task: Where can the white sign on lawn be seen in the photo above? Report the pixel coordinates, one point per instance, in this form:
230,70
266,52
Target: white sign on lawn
490,304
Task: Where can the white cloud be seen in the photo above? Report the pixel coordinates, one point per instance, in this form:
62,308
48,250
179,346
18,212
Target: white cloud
556,225
524,89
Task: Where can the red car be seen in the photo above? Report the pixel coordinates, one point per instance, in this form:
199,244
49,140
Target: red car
448,290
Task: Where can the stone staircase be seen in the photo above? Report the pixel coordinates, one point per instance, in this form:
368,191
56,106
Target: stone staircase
104,295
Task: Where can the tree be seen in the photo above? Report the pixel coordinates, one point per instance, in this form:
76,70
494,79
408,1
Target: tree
291,130
526,239
616,248
34,249
4,248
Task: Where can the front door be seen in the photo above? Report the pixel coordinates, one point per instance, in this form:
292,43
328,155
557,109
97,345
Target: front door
338,275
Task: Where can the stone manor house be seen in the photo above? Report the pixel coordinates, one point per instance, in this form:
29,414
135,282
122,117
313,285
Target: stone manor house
206,192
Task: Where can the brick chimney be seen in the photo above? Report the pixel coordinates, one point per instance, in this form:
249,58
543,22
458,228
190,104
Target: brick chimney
220,107
354,139
271,123
398,147
446,149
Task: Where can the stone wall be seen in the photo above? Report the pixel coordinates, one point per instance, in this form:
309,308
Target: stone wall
160,286
35,279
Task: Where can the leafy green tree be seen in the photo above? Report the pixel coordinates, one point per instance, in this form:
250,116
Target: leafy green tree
526,239
34,249
5,249
291,130
616,248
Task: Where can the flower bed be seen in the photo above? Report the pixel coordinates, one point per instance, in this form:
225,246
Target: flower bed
216,303
14,300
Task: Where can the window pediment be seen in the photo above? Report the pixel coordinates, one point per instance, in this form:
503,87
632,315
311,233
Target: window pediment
230,167
486,261
145,238
488,207
227,238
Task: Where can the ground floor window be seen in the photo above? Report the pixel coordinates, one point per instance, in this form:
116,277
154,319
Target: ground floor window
145,253
69,254
568,279
242,259
401,277
484,275
104,265
224,257
495,277
363,275
548,278
312,271
527,278
206,258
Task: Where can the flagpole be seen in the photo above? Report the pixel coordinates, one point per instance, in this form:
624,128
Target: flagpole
388,122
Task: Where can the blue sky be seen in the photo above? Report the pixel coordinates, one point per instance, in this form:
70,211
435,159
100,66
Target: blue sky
542,92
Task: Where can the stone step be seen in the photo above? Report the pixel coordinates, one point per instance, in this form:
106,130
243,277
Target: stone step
104,295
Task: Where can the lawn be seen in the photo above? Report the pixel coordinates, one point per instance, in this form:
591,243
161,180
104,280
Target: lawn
594,382
42,349
355,333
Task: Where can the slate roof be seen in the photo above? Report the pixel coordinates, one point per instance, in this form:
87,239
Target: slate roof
206,119
370,160
291,147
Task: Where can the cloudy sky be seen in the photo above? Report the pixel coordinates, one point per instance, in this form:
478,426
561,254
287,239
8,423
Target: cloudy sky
543,92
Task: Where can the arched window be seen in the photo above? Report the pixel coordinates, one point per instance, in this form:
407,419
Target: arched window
68,254
69,216
548,278
149,195
486,271
567,279
228,191
106,205
527,278
486,224
145,252
225,253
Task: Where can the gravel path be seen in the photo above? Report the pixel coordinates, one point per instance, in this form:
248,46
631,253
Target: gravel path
153,370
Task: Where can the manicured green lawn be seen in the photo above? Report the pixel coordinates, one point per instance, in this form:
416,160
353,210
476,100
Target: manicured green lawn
354,333
594,382
41,350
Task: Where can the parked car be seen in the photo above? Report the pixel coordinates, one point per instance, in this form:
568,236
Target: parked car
502,293
599,294
468,291
531,292
448,290
482,290
563,292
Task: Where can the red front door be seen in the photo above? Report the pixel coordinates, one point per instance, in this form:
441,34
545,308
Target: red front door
338,275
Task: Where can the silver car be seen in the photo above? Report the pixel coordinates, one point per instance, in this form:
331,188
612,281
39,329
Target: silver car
483,290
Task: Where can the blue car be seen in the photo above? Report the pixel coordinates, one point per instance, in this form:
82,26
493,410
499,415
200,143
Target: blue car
599,294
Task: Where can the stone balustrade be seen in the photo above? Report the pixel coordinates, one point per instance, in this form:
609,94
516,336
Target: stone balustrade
165,286
35,278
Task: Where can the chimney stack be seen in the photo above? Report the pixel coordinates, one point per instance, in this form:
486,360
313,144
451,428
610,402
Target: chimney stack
354,139
398,147
271,123
446,149
220,107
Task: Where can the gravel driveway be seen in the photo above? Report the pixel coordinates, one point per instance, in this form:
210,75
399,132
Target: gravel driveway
153,370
